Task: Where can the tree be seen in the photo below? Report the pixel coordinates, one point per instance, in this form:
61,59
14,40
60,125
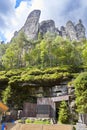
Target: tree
3,48
10,58
43,53
22,43
33,56
49,38
84,53
80,84
15,55
63,113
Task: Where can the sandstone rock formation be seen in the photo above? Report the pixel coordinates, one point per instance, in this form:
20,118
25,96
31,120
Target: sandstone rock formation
73,32
70,31
48,26
63,32
31,25
15,34
80,29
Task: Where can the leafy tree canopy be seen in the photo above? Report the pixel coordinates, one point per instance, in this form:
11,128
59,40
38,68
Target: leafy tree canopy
80,84
63,113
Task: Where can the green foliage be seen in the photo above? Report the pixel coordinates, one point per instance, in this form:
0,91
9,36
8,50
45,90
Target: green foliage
15,53
20,121
6,94
63,113
28,121
10,57
84,53
41,122
28,81
34,71
49,51
45,62
80,84
40,36
4,78
37,121
14,72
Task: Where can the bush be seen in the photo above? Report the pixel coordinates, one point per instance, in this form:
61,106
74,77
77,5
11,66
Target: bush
63,113
28,121
37,121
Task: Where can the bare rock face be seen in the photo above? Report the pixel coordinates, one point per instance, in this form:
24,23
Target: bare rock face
63,32
47,26
15,34
80,29
73,32
31,25
70,31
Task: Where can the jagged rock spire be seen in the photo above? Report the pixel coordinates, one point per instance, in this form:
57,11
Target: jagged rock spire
73,32
70,31
31,25
80,29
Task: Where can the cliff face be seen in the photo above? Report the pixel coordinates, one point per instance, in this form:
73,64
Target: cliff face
32,27
80,29
48,26
73,32
70,31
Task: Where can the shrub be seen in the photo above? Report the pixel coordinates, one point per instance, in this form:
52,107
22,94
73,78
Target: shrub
63,113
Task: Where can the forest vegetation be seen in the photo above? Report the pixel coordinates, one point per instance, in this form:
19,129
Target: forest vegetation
26,65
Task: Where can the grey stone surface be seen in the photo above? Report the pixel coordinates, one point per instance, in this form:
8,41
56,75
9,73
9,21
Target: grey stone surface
83,118
47,26
60,90
70,31
80,29
80,126
31,25
74,32
63,32
15,34
82,122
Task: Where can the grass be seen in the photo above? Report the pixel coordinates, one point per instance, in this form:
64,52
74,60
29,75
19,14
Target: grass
38,121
